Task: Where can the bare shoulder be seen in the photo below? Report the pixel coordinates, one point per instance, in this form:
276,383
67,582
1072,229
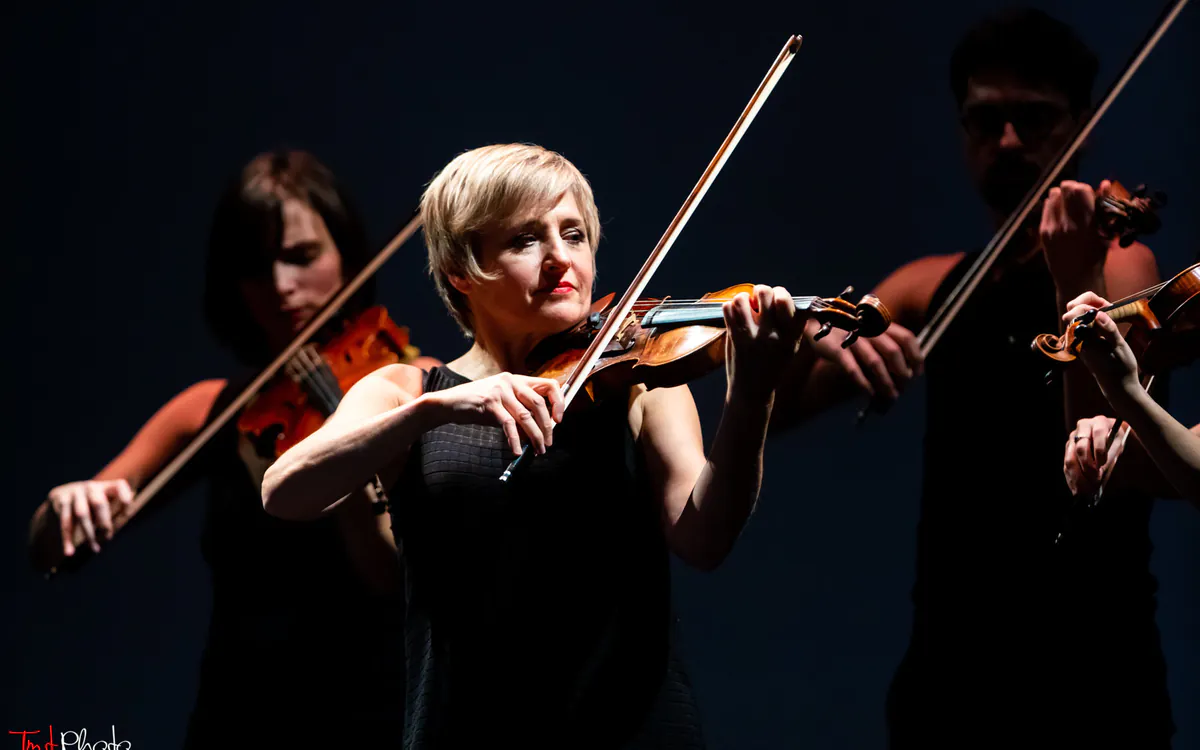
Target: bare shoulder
908,291
395,384
408,377
1130,269
193,404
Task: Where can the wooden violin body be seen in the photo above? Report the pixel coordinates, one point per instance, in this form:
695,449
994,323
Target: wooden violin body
665,342
298,401
1165,328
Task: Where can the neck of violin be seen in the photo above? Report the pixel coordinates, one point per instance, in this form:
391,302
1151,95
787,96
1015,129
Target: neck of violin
1138,308
700,312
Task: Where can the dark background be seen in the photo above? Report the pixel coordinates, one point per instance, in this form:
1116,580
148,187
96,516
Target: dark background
124,120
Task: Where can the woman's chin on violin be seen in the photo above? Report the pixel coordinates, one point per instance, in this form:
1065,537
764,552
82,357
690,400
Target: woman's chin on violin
534,279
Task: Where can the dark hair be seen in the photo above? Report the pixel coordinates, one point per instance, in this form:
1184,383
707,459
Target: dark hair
249,218
1032,46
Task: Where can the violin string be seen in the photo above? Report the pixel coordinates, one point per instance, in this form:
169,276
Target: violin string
318,389
1151,291
303,370
318,367
325,372
701,302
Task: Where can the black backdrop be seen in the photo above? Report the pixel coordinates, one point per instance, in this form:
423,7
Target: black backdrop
124,120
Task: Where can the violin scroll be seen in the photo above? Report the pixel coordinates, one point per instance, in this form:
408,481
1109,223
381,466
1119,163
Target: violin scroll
1164,326
868,318
1128,216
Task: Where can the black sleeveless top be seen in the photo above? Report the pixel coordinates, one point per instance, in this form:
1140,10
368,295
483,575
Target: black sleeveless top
538,610
297,652
996,602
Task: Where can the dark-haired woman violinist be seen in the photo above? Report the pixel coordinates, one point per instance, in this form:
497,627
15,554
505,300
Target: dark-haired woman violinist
286,654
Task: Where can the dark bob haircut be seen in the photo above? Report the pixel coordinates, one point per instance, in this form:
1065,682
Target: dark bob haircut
248,226
1037,49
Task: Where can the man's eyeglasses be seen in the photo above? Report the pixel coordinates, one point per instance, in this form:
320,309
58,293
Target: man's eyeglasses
1033,121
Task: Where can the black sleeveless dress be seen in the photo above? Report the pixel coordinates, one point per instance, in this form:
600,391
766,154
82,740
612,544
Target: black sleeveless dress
538,610
1016,639
298,652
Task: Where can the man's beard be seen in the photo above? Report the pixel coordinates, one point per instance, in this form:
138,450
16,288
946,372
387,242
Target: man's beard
1007,181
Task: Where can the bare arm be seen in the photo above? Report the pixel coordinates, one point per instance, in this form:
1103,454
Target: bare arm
380,418
94,510
1173,447
706,502
1126,272
373,427
1081,260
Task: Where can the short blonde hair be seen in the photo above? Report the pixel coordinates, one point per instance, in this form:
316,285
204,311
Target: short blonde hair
482,187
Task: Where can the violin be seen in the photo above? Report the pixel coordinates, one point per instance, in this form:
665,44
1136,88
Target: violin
284,414
664,343
299,401
1164,334
1135,211
1164,325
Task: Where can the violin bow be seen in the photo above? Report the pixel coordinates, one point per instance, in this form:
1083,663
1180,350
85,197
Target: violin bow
945,315
933,331
612,324
165,474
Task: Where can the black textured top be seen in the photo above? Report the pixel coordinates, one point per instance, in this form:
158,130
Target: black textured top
538,610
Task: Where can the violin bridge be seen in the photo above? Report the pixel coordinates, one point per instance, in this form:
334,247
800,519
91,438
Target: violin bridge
628,329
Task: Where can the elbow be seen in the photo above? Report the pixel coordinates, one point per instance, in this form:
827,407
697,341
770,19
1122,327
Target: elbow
278,497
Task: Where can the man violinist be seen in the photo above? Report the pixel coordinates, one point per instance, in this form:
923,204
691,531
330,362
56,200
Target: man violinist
1016,641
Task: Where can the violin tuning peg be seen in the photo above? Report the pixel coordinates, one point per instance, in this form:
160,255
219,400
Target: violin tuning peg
850,339
847,292
825,329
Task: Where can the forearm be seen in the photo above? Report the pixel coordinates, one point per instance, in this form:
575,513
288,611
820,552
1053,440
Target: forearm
318,472
1174,448
1082,397
369,542
727,489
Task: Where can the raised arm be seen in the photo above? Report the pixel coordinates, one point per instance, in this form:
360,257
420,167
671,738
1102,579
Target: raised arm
707,501
1081,260
370,432
98,506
